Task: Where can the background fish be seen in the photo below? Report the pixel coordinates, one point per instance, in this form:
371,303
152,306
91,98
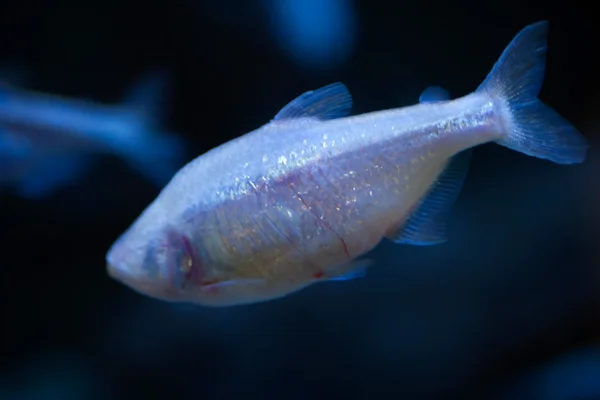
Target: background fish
315,34
299,199
47,141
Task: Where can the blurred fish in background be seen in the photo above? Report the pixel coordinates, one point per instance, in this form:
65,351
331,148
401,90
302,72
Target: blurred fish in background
314,34
51,375
47,141
575,375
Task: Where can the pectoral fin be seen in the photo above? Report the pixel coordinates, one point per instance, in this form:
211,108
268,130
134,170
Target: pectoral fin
352,270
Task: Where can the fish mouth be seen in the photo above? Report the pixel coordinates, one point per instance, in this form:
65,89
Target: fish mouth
119,274
114,272
119,269
146,287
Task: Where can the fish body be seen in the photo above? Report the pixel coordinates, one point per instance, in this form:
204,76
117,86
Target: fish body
47,140
300,199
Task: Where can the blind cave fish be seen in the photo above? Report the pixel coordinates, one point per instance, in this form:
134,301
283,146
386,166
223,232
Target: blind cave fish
301,199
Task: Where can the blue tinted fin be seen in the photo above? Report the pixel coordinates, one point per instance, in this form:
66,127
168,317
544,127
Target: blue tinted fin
433,94
157,156
49,173
532,127
352,270
427,224
329,102
148,96
360,272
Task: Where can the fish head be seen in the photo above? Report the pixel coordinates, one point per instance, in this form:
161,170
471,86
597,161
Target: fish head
155,260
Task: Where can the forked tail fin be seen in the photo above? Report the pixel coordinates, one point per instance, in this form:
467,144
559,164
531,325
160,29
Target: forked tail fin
532,127
157,156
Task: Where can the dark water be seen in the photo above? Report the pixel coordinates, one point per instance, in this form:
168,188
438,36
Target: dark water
507,309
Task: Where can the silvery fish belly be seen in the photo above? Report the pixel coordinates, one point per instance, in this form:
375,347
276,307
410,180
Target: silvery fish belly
300,199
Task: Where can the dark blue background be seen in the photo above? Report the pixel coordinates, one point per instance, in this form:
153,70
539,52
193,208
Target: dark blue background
517,285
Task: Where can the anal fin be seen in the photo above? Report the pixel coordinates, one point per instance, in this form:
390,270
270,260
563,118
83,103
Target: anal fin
427,224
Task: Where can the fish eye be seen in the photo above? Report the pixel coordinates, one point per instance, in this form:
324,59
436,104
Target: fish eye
188,265
173,261
181,268
185,263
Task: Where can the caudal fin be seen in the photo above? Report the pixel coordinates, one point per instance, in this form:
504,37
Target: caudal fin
533,128
157,156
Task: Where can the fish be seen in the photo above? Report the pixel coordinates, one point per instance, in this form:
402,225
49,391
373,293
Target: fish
49,141
303,198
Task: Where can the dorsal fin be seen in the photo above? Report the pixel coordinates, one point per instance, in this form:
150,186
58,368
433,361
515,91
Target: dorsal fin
434,94
329,102
427,224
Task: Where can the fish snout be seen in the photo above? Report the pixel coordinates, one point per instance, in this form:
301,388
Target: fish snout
121,264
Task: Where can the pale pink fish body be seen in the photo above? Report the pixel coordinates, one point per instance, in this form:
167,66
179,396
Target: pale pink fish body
299,199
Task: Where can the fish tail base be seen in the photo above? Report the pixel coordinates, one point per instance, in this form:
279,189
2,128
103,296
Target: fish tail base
531,127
